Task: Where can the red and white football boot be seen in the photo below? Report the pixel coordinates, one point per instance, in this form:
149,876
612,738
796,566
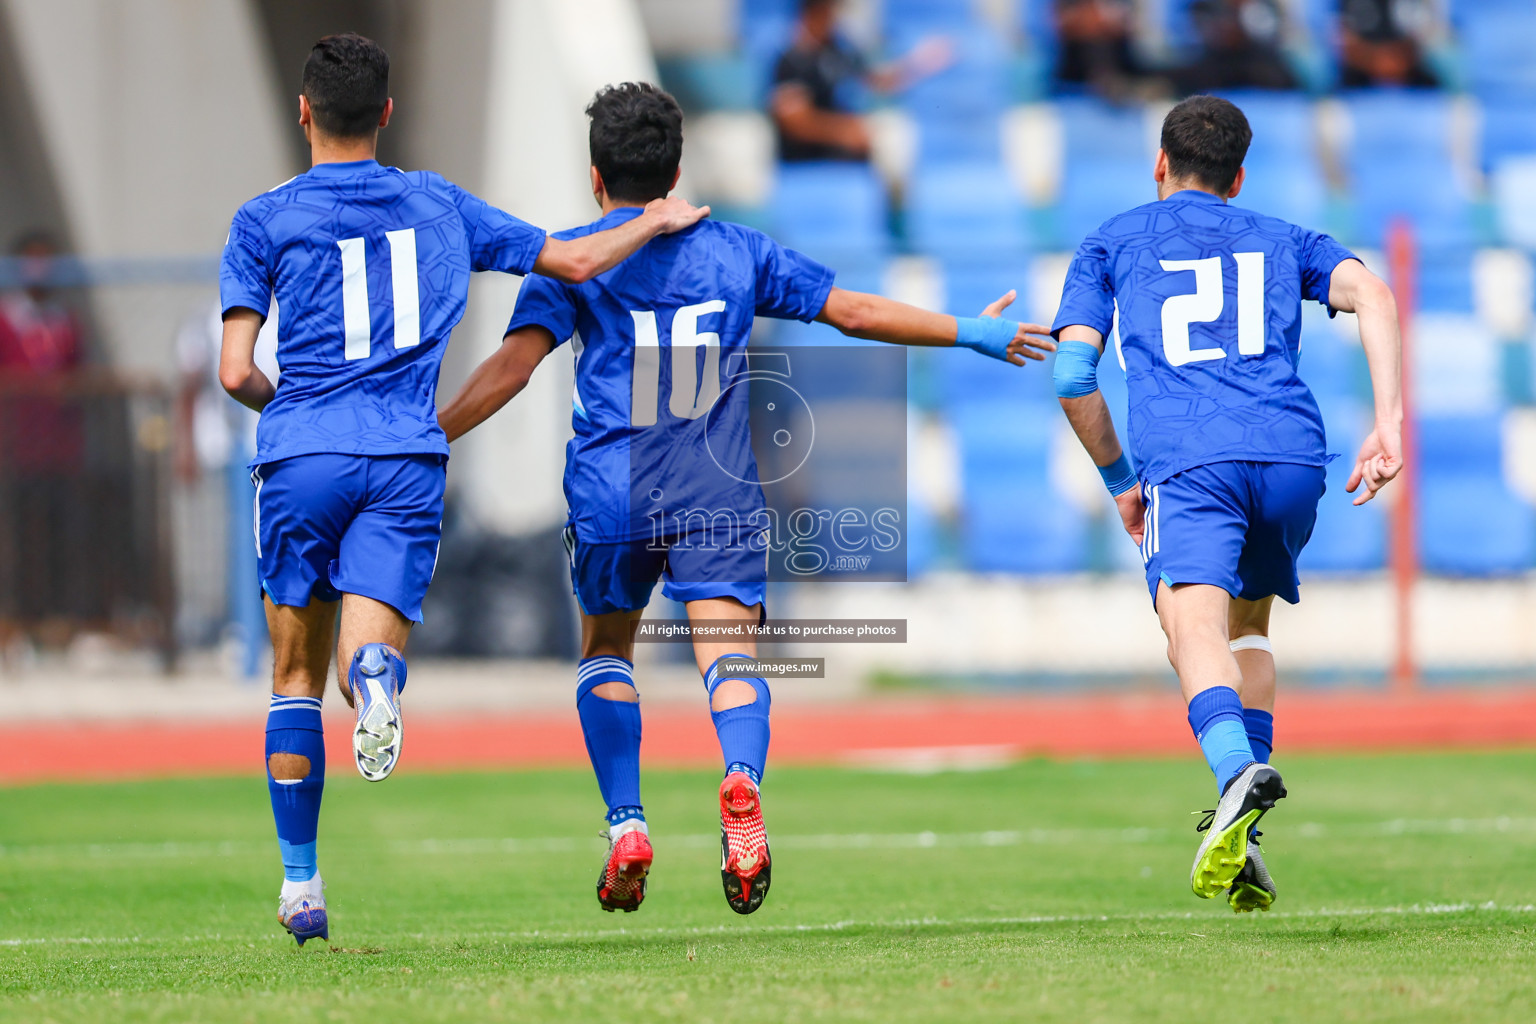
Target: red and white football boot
745,869
621,882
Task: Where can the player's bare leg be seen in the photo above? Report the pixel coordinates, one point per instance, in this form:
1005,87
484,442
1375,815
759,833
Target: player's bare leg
370,669
604,696
739,707
1248,626
1196,619
295,748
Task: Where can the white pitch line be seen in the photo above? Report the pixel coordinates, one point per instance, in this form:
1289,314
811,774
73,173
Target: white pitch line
1399,910
825,841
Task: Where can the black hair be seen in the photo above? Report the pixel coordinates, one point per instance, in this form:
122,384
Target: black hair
1206,138
346,80
636,140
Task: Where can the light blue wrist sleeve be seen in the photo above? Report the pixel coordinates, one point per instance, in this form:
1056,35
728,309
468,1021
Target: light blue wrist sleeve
985,334
1118,476
1076,372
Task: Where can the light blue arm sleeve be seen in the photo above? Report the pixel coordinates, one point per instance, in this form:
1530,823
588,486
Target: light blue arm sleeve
1076,372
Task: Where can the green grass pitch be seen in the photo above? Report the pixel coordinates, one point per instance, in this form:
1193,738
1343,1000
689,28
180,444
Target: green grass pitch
1043,891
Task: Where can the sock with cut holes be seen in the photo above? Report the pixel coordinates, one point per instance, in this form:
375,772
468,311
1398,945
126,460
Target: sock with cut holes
743,731
612,732
294,727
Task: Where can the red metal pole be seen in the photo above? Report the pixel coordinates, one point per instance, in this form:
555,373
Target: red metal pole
1402,261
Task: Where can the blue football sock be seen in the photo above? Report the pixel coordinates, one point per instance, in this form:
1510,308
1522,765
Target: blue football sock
1261,733
612,731
293,727
1216,716
743,731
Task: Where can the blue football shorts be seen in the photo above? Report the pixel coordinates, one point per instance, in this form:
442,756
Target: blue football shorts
1239,526
328,525
695,566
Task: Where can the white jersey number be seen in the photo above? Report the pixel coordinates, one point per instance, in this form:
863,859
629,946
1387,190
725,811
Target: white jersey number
1205,304
692,393
354,292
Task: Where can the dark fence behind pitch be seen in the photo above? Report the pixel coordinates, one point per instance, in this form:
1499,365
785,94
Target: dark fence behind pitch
84,519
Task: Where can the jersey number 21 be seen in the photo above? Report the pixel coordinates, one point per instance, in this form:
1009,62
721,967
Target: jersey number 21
1205,304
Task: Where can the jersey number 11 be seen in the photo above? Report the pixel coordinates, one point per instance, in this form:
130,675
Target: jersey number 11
356,323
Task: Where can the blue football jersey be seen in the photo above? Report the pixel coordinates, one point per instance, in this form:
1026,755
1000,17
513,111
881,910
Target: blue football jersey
1209,297
662,431
370,268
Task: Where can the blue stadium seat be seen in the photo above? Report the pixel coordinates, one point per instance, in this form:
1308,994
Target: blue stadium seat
1285,178
1037,22
1346,539
1400,166
1470,523
964,376
833,212
765,26
1509,125
966,211
1496,44
1004,456
908,21
957,110
1107,167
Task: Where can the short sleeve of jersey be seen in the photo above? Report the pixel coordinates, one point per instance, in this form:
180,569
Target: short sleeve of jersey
1320,256
790,285
547,303
1088,297
497,240
245,268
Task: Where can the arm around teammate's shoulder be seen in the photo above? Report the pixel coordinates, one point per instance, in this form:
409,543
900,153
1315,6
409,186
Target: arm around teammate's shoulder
877,318
578,260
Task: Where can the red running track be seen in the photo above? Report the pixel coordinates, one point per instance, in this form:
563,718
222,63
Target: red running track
1061,726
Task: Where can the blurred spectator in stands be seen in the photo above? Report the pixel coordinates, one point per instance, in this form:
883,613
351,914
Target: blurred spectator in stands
1239,48
821,85
1383,43
37,334
42,432
1094,47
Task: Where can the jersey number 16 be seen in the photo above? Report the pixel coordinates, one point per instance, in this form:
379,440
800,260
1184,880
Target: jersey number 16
1205,304
692,393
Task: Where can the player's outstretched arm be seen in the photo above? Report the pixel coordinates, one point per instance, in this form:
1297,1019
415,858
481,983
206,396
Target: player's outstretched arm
581,259
238,372
1354,289
1077,387
496,381
876,318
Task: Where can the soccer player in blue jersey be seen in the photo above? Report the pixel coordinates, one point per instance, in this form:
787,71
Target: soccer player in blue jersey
1227,441
645,413
369,267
